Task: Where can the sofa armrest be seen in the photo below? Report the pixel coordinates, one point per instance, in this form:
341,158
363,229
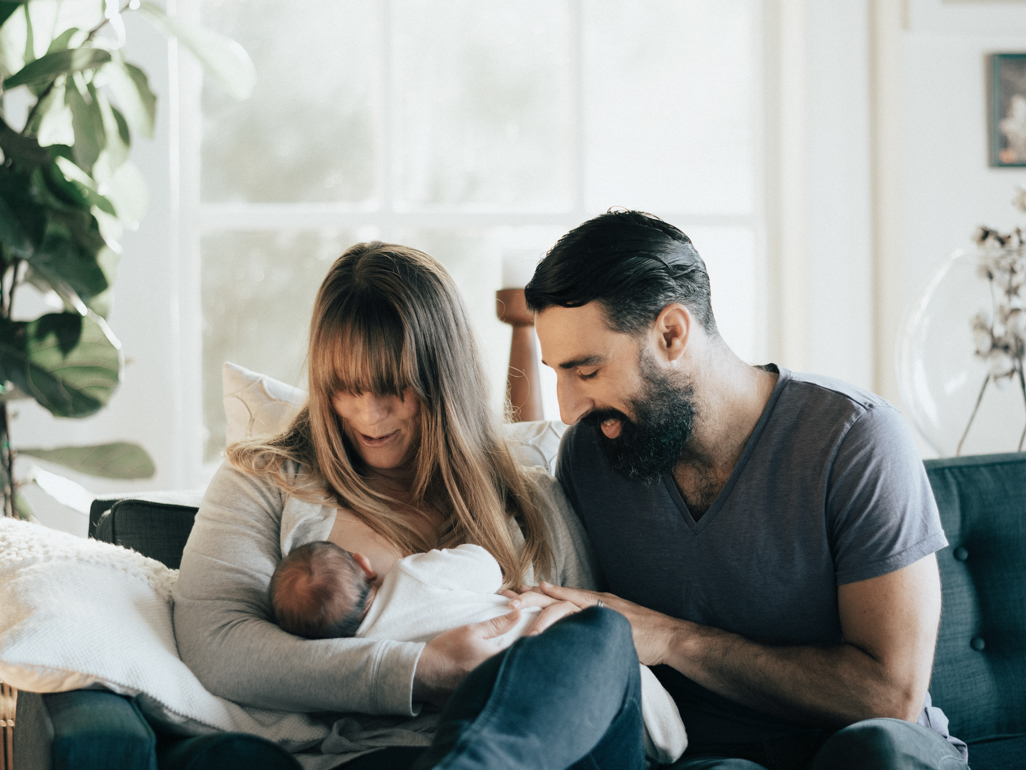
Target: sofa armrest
82,729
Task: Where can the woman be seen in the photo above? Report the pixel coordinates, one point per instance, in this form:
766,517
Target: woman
394,453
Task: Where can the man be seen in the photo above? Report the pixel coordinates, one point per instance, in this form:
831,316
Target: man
769,535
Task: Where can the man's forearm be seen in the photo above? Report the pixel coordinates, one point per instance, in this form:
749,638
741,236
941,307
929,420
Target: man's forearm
820,685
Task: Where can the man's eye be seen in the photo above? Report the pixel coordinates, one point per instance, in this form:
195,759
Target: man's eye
587,375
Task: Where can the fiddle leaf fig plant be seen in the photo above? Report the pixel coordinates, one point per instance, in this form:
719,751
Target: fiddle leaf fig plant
70,105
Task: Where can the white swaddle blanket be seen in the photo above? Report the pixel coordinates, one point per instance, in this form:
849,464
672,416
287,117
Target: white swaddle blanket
426,594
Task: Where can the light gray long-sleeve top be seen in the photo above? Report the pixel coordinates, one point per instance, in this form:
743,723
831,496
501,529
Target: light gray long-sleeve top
221,612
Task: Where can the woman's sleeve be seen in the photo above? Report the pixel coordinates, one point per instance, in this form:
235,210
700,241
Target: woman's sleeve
221,618
575,563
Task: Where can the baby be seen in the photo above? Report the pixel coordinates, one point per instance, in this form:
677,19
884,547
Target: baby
322,591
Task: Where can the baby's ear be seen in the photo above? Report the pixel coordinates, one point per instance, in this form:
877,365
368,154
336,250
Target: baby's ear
364,564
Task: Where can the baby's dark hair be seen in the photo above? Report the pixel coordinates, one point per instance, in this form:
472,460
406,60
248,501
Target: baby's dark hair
319,591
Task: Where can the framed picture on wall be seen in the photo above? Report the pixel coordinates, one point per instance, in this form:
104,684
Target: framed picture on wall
1008,109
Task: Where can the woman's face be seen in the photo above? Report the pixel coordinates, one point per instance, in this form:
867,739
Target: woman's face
385,430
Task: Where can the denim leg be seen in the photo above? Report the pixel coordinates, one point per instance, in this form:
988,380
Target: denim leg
569,697
715,763
888,744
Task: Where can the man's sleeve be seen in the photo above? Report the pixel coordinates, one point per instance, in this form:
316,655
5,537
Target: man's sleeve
881,512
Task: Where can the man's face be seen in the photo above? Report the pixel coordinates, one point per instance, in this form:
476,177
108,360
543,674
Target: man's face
613,382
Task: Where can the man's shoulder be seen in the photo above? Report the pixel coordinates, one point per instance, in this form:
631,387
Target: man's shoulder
820,387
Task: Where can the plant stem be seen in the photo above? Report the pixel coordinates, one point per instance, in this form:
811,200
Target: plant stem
1022,387
979,398
7,459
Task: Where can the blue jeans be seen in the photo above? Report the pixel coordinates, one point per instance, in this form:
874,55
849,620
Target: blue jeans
881,744
567,698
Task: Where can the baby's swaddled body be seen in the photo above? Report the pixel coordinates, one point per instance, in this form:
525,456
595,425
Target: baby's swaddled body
426,594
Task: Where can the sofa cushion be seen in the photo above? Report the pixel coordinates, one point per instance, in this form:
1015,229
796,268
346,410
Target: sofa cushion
1000,754
979,672
156,530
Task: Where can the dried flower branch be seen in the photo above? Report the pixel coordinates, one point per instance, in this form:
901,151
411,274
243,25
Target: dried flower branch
1000,337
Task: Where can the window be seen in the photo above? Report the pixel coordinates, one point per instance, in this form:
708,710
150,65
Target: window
470,130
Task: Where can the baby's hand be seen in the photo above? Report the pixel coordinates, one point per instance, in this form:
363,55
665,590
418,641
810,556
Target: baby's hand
528,598
552,609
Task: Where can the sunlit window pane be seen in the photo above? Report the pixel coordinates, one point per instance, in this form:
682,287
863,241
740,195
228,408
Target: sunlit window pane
474,258
670,109
729,255
258,294
484,102
308,131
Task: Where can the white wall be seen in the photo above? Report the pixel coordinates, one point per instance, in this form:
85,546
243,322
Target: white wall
934,173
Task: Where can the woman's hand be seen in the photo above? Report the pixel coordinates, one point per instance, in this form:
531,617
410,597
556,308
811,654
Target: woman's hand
552,609
452,655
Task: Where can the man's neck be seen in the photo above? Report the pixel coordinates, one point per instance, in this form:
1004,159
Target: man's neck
732,397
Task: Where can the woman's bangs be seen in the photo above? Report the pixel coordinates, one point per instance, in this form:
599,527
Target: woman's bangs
368,361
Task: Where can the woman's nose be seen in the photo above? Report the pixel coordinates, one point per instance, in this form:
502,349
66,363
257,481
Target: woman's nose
374,408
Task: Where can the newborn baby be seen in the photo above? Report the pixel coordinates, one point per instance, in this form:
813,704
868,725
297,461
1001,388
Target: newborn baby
321,591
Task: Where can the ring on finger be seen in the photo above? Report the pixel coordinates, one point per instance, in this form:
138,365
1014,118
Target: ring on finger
600,603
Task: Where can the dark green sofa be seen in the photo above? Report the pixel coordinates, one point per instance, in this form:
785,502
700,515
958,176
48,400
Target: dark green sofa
979,674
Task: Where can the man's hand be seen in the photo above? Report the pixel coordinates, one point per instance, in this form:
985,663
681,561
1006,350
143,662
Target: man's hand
653,632
882,669
452,655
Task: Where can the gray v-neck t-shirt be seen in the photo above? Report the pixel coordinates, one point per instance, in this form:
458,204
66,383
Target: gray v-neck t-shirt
829,489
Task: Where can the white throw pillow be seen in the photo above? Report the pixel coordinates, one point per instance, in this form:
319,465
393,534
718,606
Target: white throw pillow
257,405
82,613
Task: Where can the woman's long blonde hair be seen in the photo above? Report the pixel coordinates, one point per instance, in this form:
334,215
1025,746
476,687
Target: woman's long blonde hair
388,318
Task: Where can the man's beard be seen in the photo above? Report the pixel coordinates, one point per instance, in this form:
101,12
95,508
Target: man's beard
656,440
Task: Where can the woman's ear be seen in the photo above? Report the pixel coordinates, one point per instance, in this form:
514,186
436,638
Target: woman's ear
672,330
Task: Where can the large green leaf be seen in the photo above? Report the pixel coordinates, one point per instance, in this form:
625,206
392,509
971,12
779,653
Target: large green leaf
117,149
8,7
58,63
90,137
22,507
22,151
12,235
61,260
221,57
83,183
73,384
132,92
60,43
54,121
22,222
119,460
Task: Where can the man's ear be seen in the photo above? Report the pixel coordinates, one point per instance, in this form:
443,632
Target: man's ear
672,330
364,564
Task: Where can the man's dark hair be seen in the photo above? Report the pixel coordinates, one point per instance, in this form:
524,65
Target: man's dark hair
633,263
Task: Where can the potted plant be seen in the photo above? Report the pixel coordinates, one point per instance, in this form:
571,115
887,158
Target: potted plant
67,192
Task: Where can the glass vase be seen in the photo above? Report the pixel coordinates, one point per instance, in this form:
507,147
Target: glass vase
959,401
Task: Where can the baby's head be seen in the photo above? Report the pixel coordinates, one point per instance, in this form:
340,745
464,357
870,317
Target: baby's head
321,591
